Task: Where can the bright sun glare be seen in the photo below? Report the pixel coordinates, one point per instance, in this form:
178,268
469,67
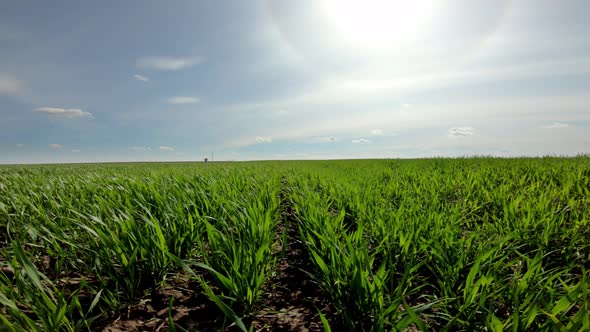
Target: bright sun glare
378,24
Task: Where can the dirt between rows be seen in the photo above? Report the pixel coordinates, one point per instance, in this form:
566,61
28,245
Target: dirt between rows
190,310
295,299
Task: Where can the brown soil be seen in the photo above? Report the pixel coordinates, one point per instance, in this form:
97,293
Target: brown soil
191,310
294,300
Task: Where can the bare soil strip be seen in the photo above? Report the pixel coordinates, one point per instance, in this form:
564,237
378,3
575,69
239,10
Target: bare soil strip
191,310
294,299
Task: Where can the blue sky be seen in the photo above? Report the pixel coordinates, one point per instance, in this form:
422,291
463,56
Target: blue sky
244,80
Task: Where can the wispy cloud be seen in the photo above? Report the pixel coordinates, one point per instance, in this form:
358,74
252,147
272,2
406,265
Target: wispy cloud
140,148
141,78
168,63
361,141
320,139
20,145
10,86
68,113
167,148
75,151
377,132
56,146
263,139
179,100
556,125
461,131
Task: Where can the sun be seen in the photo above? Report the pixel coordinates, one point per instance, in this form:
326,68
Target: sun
378,24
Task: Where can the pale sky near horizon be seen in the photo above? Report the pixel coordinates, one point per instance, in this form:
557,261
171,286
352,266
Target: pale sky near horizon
154,80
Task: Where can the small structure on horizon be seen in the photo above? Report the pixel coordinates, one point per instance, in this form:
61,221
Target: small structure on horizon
206,159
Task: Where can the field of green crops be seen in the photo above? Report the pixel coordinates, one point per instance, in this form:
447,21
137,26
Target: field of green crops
476,244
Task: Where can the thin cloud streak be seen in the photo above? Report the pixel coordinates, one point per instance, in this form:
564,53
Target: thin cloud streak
68,113
141,78
163,63
263,139
179,100
461,131
556,125
140,148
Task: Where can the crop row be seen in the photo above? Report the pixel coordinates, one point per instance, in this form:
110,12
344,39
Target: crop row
124,232
452,244
462,244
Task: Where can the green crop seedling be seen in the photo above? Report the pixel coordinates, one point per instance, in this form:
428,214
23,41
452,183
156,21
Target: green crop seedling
477,244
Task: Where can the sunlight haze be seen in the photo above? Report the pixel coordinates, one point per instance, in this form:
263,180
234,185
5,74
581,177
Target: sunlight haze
327,79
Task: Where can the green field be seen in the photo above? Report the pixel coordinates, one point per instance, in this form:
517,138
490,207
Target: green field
476,244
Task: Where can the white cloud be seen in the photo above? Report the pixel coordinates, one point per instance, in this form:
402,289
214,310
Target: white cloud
141,78
20,145
68,113
75,151
556,125
377,132
140,148
263,139
182,100
168,63
56,146
167,148
320,139
461,131
9,86
361,141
